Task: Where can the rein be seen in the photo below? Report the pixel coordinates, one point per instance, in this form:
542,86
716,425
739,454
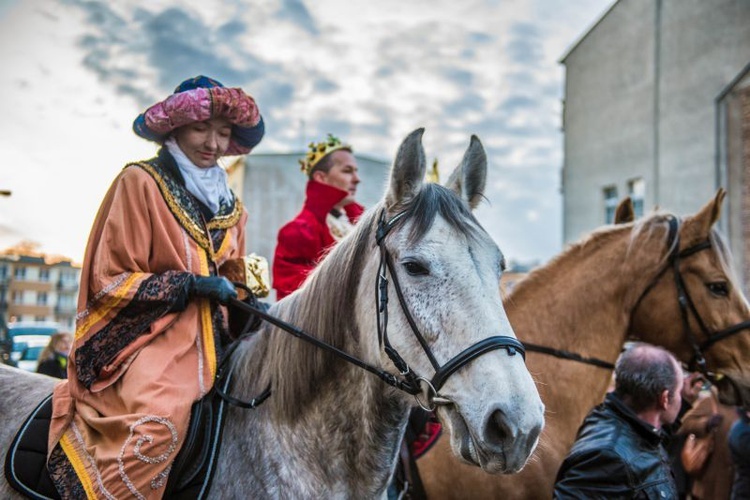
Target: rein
572,356
409,382
387,377
686,304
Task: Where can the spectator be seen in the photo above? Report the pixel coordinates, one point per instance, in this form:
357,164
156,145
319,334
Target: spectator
618,452
53,360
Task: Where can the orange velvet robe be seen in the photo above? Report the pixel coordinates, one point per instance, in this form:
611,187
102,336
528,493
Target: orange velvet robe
144,351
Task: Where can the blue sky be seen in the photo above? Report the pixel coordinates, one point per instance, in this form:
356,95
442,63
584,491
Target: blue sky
77,72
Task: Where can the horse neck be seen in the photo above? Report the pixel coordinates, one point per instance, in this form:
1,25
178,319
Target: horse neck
343,430
580,302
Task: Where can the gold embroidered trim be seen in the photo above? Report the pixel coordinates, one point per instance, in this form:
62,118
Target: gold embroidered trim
109,303
78,466
229,220
195,230
204,306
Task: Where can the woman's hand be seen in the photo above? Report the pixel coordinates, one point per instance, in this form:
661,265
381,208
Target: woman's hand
213,287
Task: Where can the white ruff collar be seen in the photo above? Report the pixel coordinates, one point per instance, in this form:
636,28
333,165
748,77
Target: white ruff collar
209,184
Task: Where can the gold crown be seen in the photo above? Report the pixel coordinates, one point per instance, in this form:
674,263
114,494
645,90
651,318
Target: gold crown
319,151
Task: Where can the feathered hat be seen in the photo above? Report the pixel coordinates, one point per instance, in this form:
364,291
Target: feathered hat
321,150
199,99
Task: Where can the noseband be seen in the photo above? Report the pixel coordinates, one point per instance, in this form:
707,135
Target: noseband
686,304
442,372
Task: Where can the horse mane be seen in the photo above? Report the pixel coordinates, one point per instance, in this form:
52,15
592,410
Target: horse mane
646,226
325,307
591,243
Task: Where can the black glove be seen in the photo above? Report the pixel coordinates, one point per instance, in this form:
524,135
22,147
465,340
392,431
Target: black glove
213,287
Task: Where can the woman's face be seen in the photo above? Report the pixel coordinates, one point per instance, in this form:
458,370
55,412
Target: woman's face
63,345
204,142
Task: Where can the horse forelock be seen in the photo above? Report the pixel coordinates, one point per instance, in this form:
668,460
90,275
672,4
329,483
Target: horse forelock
431,201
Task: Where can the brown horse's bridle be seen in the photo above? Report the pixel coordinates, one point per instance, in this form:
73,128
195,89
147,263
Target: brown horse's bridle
686,304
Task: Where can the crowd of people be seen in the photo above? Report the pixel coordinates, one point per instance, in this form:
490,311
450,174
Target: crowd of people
152,322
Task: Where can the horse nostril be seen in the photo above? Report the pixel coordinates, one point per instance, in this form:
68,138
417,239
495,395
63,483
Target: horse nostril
497,430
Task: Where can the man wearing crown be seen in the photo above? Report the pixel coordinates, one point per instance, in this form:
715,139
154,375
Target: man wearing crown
327,215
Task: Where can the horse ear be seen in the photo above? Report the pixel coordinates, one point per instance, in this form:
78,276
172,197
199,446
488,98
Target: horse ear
408,170
470,176
700,224
625,212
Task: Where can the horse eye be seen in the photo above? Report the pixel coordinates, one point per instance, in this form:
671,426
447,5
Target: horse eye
415,268
719,288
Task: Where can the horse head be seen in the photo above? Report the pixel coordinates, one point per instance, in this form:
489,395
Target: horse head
695,306
448,271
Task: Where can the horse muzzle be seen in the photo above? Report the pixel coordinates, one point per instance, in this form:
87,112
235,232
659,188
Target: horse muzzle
498,446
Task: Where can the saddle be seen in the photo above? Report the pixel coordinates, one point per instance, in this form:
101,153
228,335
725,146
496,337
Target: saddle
192,470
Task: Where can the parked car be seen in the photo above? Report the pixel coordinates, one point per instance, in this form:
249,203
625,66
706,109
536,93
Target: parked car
29,338
26,350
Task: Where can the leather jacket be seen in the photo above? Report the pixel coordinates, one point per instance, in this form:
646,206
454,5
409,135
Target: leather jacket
616,455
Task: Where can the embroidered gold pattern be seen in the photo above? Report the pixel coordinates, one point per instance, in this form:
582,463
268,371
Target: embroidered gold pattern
196,228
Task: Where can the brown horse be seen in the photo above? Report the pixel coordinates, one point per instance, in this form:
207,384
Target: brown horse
616,284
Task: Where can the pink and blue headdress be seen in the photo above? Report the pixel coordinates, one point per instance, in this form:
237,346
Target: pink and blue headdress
199,99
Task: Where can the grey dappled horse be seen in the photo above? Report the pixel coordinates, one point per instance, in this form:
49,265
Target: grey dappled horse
331,429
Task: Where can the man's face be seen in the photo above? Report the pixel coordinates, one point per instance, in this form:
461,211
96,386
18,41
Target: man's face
342,175
669,415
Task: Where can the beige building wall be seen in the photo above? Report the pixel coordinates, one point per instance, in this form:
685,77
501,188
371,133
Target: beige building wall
35,287
646,95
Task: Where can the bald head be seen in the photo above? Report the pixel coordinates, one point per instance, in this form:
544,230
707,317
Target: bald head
643,372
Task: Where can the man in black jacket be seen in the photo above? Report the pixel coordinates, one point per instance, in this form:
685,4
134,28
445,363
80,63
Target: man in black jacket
618,452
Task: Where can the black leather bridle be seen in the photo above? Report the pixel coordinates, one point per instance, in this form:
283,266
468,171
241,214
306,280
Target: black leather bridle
686,304
408,381
442,372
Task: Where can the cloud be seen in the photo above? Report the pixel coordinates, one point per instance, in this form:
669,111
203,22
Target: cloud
525,45
480,67
295,11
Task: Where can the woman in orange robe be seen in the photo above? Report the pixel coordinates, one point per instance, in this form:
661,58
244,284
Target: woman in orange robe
151,324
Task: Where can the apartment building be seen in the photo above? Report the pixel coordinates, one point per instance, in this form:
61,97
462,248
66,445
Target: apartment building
37,287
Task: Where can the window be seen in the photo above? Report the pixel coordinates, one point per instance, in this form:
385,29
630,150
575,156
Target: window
19,273
3,271
637,192
610,204
40,318
41,298
44,275
17,297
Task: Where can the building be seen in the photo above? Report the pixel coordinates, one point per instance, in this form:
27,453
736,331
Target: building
37,287
657,106
272,187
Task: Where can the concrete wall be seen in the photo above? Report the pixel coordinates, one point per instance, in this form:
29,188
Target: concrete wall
640,101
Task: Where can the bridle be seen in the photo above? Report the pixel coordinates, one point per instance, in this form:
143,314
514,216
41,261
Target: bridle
442,372
686,304
407,380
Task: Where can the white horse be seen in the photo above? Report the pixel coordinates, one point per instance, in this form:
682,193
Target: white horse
331,429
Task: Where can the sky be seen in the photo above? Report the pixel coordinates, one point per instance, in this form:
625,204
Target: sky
76,73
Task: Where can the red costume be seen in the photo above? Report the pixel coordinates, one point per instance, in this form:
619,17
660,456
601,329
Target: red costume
304,241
